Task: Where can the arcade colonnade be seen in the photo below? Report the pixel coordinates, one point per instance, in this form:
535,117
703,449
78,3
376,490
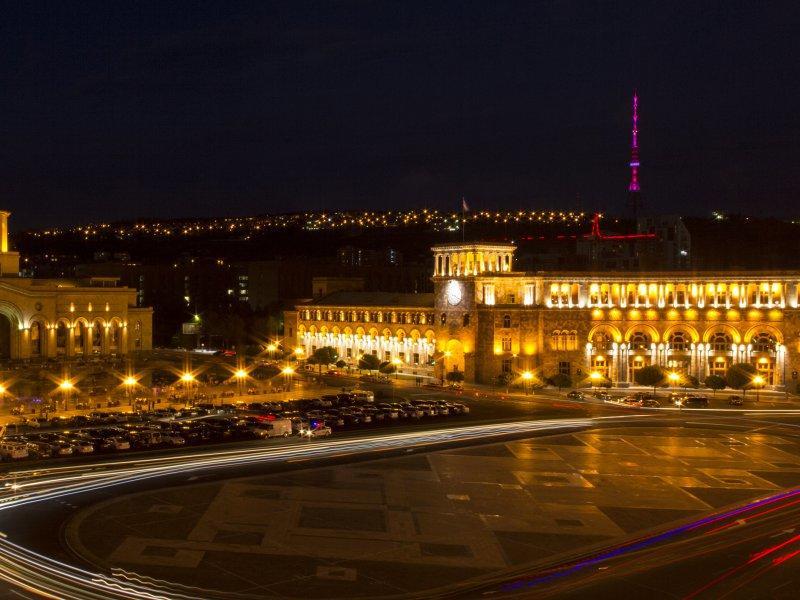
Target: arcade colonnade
411,351
682,349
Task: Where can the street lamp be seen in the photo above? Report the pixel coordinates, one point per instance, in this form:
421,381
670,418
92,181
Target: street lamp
187,378
298,352
397,364
287,373
674,377
129,382
595,377
758,381
66,387
527,378
240,375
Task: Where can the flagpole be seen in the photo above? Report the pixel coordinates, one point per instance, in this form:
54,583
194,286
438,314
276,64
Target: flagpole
463,234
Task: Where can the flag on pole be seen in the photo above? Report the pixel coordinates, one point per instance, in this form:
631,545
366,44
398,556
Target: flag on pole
464,206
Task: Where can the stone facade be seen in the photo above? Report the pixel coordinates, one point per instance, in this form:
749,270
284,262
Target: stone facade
48,318
486,319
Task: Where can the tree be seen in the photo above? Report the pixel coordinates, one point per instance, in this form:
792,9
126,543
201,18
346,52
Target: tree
455,376
387,368
715,382
341,364
369,362
650,376
740,376
560,380
504,380
323,356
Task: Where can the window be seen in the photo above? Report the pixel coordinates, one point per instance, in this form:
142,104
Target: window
564,367
640,341
416,358
506,344
488,293
764,342
348,352
512,299
528,296
506,321
679,341
721,342
602,342
466,319
506,366
443,319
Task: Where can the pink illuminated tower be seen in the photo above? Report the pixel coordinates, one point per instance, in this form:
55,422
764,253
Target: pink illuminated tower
634,193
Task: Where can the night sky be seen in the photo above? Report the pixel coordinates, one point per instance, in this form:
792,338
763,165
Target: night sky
116,110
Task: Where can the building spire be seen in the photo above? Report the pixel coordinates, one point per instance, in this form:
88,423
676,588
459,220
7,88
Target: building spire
634,192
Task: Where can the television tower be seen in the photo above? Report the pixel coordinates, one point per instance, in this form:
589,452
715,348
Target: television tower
634,193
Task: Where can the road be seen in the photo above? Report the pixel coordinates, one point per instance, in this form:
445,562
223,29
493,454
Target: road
751,551
38,500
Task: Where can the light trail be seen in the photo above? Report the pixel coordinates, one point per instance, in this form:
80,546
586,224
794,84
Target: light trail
52,578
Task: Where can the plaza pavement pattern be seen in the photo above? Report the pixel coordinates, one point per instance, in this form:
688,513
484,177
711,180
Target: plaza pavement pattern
409,524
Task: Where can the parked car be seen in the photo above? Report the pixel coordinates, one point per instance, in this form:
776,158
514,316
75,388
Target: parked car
318,431
12,450
735,400
575,395
695,402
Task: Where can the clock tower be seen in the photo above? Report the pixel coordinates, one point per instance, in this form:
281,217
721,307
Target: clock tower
458,292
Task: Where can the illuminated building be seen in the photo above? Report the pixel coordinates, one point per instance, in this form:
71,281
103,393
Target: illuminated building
48,318
485,319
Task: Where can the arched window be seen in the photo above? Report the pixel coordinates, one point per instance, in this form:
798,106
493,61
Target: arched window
79,337
764,342
640,341
443,319
602,342
97,336
721,341
506,321
466,319
679,341
37,336
572,340
61,338
555,340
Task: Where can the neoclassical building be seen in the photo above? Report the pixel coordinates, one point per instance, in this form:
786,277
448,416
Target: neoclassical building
484,319
49,318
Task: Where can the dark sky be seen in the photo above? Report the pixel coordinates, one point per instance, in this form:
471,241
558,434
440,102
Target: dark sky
118,110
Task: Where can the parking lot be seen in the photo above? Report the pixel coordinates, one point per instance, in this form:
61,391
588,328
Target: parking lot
111,431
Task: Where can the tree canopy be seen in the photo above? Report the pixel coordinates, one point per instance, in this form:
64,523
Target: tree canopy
650,376
369,362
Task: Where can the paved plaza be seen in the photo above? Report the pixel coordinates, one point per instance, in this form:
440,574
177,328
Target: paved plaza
410,524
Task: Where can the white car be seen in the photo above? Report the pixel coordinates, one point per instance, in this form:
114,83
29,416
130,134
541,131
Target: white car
319,431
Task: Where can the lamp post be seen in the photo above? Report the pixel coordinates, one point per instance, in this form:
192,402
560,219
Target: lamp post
758,382
66,387
287,373
397,364
240,375
129,382
527,378
595,377
674,378
187,378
